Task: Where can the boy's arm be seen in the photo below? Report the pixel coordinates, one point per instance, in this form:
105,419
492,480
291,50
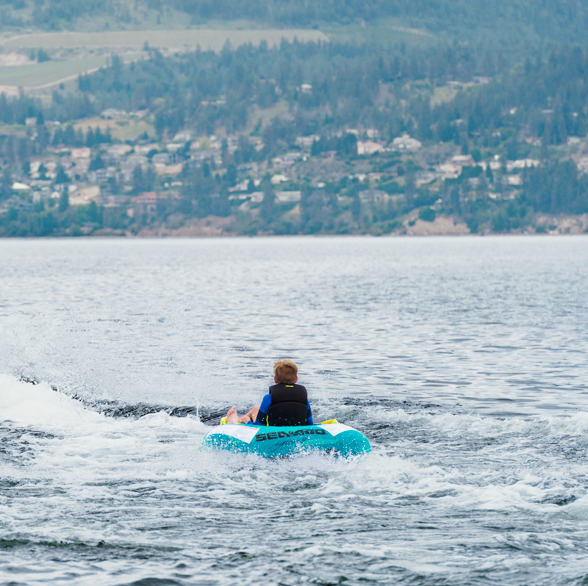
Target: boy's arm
308,414
261,418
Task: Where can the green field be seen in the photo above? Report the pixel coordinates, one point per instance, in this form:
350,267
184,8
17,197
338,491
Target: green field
129,129
50,72
443,94
382,33
39,75
163,39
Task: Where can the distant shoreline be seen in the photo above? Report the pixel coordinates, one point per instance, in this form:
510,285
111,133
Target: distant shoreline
302,236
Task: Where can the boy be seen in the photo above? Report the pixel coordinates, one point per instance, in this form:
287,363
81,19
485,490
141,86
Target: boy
286,404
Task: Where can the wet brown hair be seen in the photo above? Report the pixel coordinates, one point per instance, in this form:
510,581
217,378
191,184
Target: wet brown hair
285,371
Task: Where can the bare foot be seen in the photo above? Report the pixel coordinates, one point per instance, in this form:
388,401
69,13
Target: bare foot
232,416
244,419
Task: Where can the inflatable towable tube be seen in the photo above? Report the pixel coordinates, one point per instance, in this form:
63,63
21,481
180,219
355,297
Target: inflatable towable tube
274,442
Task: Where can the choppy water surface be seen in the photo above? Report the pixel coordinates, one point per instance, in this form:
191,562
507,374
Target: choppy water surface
463,360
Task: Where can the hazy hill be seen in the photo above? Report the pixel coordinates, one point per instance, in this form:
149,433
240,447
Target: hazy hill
510,21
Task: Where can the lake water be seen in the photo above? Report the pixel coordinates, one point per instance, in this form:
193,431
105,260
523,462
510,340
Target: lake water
464,361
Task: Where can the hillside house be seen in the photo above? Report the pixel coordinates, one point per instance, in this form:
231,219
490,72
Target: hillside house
145,149
448,171
373,195
161,158
406,143
184,136
85,195
522,164
119,150
583,165
288,196
279,178
81,153
369,148
113,114
163,169
424,177
307,141
463,160
242,186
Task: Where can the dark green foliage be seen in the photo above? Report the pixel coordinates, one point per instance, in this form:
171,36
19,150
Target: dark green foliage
143,181
96,163
508,21
427,215
41,224
557,188
63,202
268,204
546,97
61,176
5,185
203,89
361,87
43,56
97,137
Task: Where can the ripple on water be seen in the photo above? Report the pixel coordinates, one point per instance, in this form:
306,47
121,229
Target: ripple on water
462,360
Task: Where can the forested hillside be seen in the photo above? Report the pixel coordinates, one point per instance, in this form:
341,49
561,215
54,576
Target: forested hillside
368,86
282,140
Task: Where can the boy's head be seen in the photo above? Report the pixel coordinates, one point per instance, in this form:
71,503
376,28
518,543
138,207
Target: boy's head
285,371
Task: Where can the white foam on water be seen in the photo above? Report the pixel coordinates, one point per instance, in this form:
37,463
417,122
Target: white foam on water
91,447
120,479
40,405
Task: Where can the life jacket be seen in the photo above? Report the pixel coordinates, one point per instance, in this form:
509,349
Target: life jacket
289,405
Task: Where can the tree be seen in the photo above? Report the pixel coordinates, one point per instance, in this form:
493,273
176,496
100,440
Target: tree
42,56
558,125
268,203
5,185
489,174
63,201
137,180
356,206
61,176
97,163
410,190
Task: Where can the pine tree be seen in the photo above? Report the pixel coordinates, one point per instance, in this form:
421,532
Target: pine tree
63,201
6,185
268,203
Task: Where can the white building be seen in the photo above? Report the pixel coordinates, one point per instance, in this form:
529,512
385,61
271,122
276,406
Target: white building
448,170
279,178
288,196
112,113
306,141
118,150
405,143
514,179
81,153
372,195
242,186
583,165
522,164
184,136
368,148
424,177
463,160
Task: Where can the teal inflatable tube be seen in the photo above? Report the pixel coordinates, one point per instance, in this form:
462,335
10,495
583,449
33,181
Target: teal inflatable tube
274,442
